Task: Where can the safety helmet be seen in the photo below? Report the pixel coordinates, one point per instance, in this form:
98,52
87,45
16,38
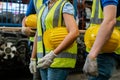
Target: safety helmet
31,21
110,46
53,37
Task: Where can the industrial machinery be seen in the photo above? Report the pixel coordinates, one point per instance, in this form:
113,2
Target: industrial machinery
14,49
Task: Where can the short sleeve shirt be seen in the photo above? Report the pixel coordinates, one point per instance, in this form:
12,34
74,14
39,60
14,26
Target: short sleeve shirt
112,2
67,8
109,2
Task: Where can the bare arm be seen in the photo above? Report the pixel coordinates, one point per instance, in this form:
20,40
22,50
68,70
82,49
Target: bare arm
105,30
23,22
34,51
72,35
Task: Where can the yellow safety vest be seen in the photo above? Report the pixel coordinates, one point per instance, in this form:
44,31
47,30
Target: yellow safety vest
37,4
65,59
97,18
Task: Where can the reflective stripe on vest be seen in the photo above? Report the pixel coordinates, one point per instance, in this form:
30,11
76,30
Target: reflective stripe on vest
37,4
67,58
39,31
62,55
97,14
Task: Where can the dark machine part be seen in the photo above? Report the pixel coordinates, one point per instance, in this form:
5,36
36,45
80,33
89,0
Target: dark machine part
81,55
13,50
81,14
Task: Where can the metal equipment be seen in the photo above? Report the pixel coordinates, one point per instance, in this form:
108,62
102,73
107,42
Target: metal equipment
14,50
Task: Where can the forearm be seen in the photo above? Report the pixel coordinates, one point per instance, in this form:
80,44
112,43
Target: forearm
105,31
65,43
102,37
23,22
34,51
73,33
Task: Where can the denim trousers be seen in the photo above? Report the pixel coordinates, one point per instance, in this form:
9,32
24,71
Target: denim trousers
36,75
106,65
54,74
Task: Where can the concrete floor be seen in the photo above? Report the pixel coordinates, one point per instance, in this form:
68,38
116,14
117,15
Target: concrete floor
116,76
27,76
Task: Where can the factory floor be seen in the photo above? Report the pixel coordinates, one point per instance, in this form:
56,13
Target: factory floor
115,76
25,75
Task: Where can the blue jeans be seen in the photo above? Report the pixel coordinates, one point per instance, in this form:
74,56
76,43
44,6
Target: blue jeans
106,65
54,74
36,76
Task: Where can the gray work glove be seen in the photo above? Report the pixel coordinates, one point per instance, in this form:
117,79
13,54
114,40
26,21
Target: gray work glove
32,65
90,67
46,61
28,31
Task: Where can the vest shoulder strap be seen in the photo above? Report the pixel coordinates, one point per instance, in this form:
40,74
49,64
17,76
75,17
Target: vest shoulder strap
37,4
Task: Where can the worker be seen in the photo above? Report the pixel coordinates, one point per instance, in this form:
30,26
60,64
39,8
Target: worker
54,42
100,65
30,32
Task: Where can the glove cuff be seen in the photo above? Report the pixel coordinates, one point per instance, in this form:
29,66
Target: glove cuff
94,59
23,29
32,59
52,52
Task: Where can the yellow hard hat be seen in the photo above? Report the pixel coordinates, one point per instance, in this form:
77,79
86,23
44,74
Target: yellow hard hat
110,46
53,37
31,21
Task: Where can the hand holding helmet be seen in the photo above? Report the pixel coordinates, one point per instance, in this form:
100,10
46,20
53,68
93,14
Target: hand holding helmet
28,31
30,25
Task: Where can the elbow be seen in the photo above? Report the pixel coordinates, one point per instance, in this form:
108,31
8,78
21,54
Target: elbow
113,22
76,32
